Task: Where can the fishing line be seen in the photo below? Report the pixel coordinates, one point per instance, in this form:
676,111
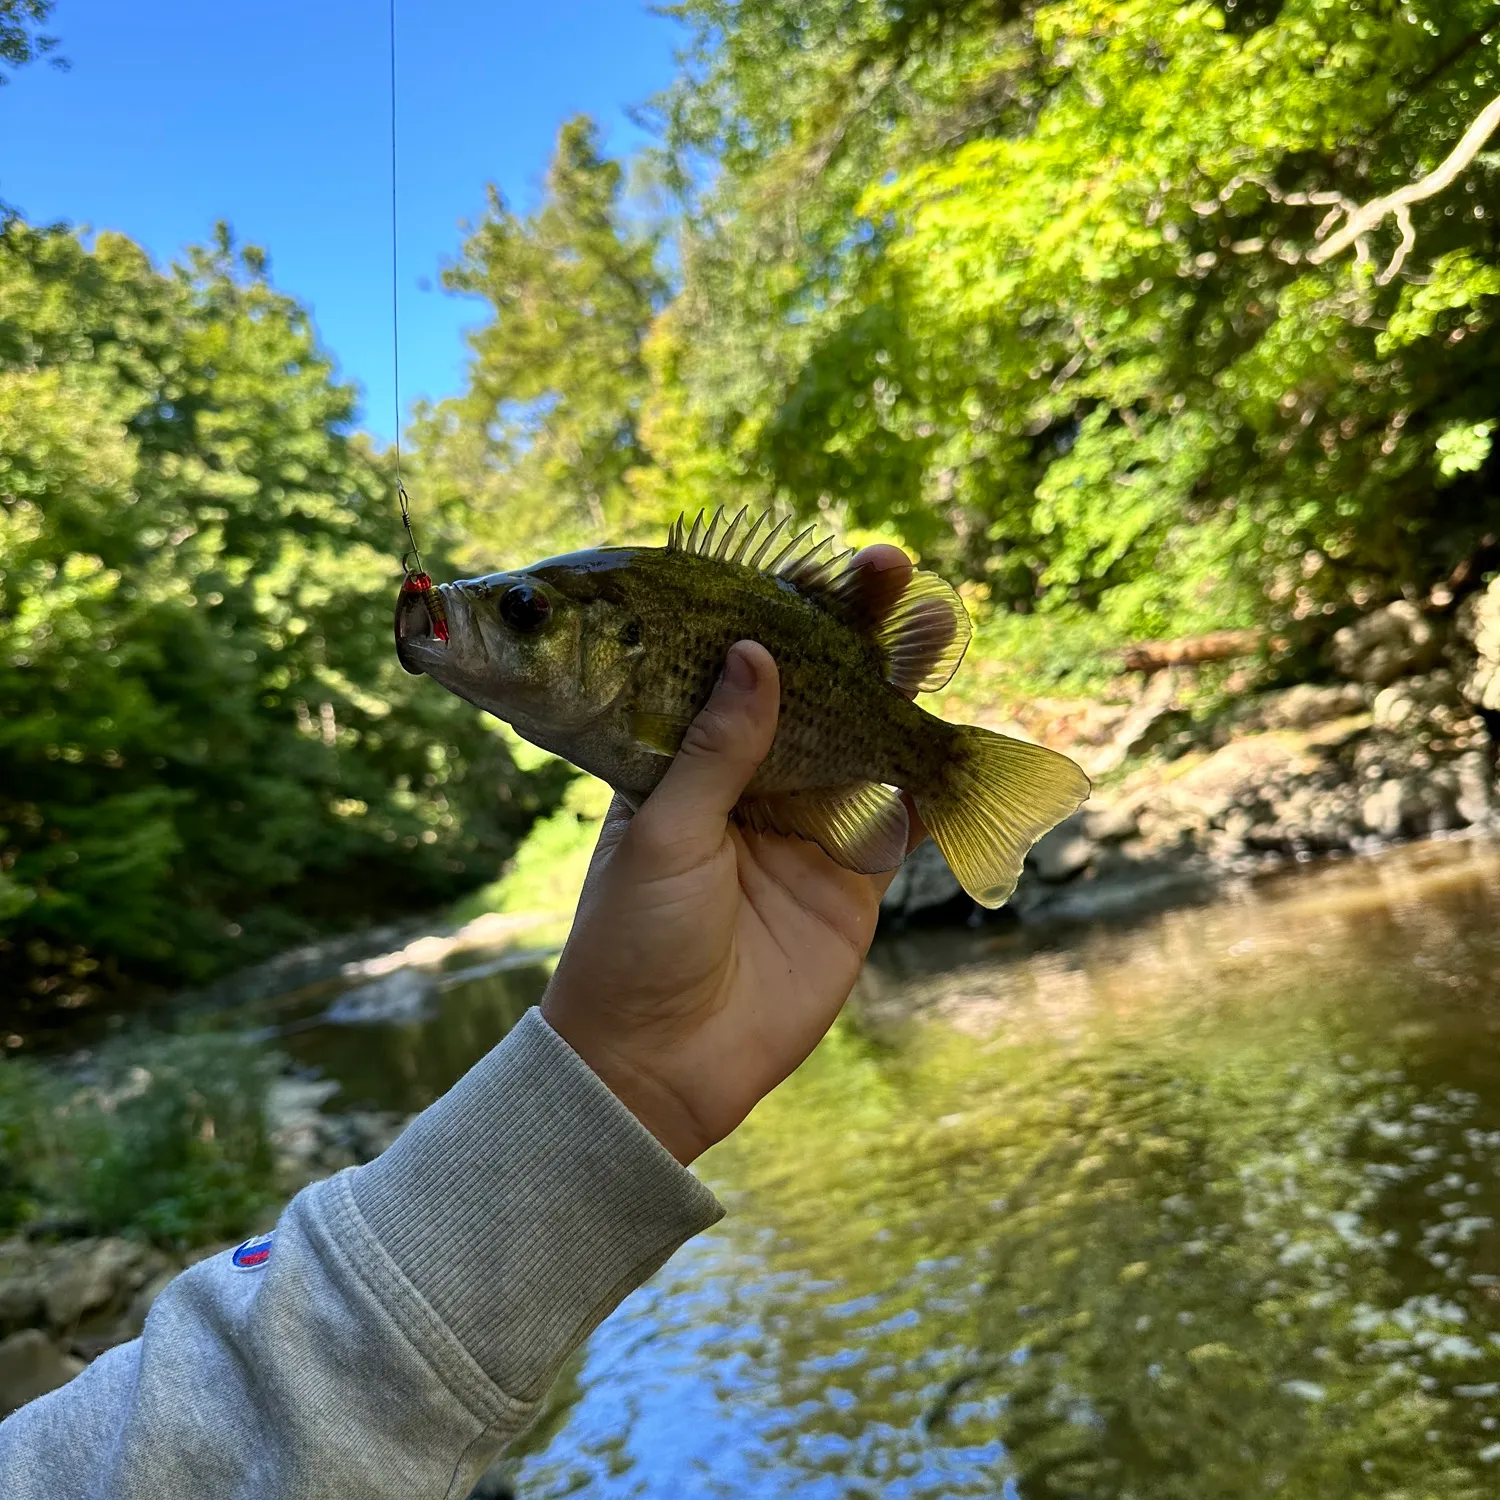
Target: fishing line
401,496
416,580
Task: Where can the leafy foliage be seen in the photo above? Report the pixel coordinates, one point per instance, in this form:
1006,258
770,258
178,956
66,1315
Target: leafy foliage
1032,284
207,748
538,453
20,40
166,1138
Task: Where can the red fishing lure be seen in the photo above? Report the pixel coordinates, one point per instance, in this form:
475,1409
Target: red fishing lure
420,583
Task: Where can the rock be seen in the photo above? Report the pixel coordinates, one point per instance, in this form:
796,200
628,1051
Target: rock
23,1302
299,1129
1305,705
924,883
1402,805
1063,853
30,1366
1110,824
1430,711
1238,775
1474,779
140,1305
1479,624
93,1274
399,996
1388,643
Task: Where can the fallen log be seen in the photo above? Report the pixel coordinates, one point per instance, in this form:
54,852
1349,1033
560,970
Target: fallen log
1217,645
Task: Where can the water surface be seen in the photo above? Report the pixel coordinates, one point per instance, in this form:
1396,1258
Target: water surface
1201,1207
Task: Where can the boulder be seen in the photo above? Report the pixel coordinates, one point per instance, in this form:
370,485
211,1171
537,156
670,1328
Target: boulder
90,1276
924,883
30,1366
1302,706
23,1301
1475,800
1064,852
1394,807
1479,625
1429,711
1388,643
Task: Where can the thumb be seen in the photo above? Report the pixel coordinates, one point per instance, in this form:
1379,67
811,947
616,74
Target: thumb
721,751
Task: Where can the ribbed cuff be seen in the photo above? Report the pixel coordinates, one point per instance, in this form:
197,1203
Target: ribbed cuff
526,1203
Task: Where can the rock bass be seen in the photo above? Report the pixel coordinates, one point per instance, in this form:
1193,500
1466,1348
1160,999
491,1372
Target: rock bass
606,656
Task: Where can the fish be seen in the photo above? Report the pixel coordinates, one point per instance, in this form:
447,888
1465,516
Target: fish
605,657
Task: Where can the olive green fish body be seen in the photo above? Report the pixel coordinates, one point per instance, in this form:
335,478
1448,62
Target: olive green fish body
605,657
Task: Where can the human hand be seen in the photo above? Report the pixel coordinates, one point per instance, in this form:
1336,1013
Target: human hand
706,961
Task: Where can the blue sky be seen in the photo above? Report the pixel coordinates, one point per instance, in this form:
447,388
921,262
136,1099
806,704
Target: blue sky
274,117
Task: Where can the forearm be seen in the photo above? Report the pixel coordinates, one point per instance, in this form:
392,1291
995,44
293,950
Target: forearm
410,1317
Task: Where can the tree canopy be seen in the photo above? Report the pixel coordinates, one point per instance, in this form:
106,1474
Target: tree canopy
207,748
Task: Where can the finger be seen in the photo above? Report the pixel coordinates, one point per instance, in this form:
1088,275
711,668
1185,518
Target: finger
616,821
721,751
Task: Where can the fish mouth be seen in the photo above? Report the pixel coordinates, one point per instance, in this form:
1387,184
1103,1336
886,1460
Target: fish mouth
421,627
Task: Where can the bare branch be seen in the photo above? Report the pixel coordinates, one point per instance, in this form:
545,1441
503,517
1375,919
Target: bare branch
1362,220
1408,239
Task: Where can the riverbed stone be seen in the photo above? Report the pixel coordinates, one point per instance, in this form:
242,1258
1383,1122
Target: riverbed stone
400,996
1393,641
1063,852
924,883
1476,801
1429,710
89,1277
1479,625
30,1366
1111,823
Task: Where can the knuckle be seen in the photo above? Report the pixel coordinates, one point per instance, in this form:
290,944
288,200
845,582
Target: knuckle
711,733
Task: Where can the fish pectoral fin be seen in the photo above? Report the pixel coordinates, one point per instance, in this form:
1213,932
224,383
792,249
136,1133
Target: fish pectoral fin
863,827
660,733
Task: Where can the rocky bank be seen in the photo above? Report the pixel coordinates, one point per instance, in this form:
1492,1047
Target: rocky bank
65,1301
1398,742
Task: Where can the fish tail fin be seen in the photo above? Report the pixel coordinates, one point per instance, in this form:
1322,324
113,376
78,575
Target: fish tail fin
997,797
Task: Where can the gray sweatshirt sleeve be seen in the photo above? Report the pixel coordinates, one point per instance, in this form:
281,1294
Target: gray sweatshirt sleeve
408,1320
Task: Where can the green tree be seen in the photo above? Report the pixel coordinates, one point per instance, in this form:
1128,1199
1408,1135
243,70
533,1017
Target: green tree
207,748
1045,287
539,452
21,41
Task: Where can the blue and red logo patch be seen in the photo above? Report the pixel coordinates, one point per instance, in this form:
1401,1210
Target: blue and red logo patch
254,1253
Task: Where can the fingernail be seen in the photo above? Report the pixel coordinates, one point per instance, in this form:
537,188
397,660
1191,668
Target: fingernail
739,671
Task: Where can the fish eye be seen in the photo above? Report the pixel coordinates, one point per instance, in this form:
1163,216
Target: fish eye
525,608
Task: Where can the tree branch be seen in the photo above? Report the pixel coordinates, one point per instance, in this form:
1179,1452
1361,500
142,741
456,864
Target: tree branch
1362,220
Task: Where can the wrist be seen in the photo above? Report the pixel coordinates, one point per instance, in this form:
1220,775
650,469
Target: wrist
655,1102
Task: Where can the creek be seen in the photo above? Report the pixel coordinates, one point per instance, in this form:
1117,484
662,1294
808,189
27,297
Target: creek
1206,1203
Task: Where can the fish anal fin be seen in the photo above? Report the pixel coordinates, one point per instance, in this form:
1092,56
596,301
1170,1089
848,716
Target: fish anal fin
863,826
660,733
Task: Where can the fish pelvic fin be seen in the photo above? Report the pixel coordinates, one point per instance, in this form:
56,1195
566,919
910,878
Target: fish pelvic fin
922,631
997,798
863,827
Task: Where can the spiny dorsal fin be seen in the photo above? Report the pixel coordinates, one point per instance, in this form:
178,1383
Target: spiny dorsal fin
922,632
807,563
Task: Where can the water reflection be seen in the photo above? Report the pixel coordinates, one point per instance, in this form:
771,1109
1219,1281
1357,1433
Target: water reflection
1206,1208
